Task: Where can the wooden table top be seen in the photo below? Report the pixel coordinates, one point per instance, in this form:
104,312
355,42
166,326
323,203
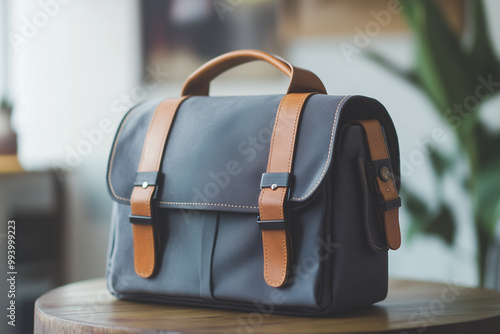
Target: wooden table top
411,307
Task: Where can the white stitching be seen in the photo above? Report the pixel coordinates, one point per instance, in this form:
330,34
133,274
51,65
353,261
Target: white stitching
113,156
213,204
329,152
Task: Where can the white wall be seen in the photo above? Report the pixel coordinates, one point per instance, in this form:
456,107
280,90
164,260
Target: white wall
3,51
67,76
70,71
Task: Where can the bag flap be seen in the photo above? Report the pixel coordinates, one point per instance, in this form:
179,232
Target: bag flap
218,148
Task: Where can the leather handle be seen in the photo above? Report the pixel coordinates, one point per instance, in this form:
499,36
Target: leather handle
301,81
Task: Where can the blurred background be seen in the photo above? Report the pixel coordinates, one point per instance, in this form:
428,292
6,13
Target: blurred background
69,71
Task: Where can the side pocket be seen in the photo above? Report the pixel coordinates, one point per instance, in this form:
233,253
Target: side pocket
374,232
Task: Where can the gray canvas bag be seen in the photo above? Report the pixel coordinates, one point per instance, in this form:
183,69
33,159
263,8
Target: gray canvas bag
277,203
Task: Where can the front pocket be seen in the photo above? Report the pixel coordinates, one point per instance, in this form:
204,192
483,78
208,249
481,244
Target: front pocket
237,269
186,244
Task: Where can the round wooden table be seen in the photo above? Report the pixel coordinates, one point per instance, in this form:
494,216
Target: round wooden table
411,307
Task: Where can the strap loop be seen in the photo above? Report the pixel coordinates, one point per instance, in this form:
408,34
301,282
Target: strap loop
141,220
145,179
390,205
275,180
271,224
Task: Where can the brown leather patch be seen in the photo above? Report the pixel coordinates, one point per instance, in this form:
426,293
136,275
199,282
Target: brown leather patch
386,189
275,257
375,139
144,236
271,202
274,242
144,250
390,218
391,225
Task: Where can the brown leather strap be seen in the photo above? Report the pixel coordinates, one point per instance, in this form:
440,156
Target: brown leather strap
385,188
145,242
272,201
301,80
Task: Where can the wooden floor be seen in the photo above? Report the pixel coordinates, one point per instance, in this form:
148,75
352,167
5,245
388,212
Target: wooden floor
411,307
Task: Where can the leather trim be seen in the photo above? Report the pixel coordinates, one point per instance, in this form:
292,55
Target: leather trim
271,202
141,200
390,218
386,189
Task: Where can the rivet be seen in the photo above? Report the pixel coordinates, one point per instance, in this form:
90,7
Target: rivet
274,186
385,173
145,185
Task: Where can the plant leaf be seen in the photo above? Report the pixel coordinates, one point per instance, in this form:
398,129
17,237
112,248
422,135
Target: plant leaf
381,60
443,225
488,144
439,162
442,65
439,223
486,197
482,54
